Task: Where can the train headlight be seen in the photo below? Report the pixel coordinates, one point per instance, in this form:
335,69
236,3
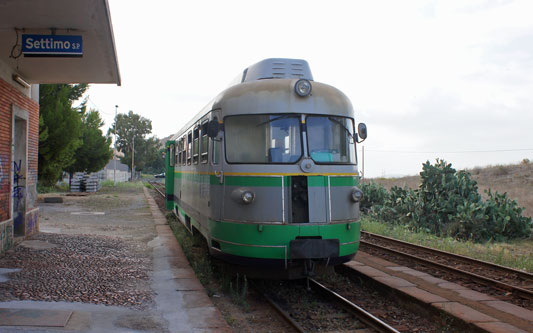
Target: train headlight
303,87
247,197
357,195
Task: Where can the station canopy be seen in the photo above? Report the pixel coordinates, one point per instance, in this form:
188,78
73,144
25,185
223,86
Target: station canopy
89,19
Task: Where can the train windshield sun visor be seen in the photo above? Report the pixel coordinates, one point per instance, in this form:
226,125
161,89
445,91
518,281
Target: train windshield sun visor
330,140
276,118
263,139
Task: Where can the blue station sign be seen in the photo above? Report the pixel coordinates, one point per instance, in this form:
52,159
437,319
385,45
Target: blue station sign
52,46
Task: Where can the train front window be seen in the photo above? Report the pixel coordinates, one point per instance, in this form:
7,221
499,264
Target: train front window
330,139
263,139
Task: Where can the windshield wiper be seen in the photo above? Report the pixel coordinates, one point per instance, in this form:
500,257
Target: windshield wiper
343,126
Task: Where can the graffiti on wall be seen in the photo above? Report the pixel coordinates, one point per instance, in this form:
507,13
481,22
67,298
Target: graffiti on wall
31,196
4,184
32,222
6,236
19,190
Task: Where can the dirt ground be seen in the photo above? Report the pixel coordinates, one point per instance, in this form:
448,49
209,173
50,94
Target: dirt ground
65,218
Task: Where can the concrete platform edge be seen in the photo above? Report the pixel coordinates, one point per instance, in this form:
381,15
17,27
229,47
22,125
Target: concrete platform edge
185,281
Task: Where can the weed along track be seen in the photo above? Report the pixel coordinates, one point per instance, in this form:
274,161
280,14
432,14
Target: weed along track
504,283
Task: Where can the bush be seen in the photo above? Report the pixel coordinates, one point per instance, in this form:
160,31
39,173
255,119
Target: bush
374,194
441,192
505,217
447,203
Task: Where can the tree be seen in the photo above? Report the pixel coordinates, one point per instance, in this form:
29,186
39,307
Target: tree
94,152
157,163
129,128
149,156
59,129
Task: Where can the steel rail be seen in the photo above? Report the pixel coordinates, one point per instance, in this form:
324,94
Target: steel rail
361,314
521,274
278,309
156,186
528,294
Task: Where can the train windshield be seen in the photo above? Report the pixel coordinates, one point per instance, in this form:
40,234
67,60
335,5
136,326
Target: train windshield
263,139
330,139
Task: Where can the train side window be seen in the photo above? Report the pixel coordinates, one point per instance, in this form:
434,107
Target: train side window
215,155
189,148
180,147
178,153
196,145
171,150
184,151
204,149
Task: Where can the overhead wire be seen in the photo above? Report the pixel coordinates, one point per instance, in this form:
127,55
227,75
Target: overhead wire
98,108
448,152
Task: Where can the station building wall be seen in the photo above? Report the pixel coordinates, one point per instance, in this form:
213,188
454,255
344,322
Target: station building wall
19,143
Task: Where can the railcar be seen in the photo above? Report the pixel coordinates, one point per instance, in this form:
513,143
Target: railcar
267,172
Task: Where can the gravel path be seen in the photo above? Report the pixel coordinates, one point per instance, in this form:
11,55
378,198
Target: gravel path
78,268
97,254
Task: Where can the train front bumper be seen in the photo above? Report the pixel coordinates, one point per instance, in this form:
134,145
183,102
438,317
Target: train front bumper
310,248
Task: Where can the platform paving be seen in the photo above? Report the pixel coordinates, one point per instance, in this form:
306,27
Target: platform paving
179,302
480,311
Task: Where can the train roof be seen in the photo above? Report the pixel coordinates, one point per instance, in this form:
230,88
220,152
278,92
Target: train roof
275,68
271,74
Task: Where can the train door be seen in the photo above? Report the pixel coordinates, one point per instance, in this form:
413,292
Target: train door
216,175
169,174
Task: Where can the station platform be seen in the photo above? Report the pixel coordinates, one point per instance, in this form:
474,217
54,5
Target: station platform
481,312
177,300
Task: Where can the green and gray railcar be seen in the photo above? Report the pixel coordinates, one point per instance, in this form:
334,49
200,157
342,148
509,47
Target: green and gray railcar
267,172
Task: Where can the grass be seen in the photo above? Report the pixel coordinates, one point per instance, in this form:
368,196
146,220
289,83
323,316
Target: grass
59,188
516,254
192,248
110,183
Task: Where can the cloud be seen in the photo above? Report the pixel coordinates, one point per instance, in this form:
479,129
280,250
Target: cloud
424,75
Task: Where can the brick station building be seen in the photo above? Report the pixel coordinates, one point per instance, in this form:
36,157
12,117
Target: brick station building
42,41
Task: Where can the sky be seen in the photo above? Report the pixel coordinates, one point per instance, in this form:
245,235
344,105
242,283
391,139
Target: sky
431,79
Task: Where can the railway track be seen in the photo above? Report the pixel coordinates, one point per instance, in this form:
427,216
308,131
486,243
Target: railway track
158,187
302,322
367,318
502,280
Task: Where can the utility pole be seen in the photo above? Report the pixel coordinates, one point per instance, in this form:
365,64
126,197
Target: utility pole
363,175
115,150
133,159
